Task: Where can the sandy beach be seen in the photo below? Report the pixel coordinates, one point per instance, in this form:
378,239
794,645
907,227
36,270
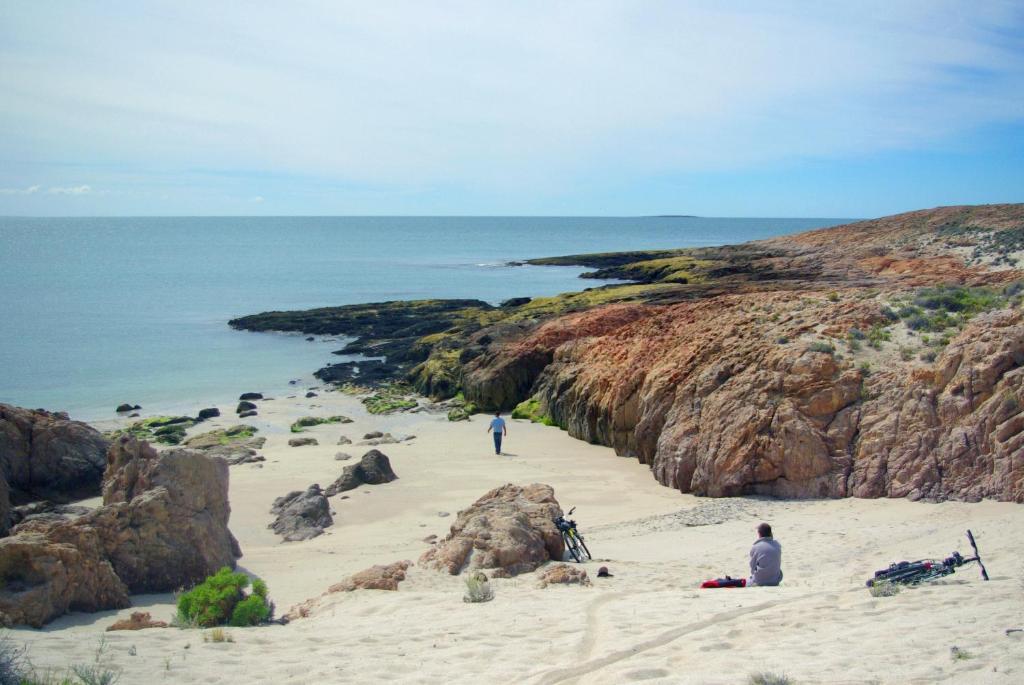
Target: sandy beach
649,622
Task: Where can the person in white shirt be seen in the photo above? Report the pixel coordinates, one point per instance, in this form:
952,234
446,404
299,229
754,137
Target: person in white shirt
499,429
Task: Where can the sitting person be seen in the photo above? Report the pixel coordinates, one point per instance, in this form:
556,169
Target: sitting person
765,559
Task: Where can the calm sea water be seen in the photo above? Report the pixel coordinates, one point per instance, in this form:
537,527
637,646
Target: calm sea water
99,311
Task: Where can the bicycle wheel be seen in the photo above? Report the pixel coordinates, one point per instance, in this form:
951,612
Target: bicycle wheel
570,544
583,547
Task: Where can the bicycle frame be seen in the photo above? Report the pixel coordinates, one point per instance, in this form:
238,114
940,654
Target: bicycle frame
915,572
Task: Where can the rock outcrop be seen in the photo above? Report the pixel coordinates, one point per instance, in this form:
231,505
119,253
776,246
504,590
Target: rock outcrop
45,455
510,530
43,579
877,359
374,468
301,514
162,526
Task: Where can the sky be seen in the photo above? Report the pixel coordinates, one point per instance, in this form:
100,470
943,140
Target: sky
717,108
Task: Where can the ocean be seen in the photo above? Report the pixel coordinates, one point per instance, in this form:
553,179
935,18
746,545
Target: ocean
99,311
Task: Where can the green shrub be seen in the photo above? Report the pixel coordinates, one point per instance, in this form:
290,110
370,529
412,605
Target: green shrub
821,347
478,589
877,335
833,296
221,599
908,310
251,611
958,299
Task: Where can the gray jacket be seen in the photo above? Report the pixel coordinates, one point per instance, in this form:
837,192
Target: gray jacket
765,562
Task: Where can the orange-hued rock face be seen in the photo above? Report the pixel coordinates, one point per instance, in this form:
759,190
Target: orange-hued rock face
753,383
718,406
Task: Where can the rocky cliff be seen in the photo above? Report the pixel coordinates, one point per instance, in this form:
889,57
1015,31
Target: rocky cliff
878,359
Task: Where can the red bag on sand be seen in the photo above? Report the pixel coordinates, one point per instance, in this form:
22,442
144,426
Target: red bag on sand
724,582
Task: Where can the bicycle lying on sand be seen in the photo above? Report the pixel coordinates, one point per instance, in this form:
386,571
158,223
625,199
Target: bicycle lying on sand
914,572
572,538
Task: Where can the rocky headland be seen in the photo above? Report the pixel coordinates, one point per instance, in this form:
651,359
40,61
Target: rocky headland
877,359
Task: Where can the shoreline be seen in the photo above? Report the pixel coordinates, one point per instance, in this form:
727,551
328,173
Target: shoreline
649,618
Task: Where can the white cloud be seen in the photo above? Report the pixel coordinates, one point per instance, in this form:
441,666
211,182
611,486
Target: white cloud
524,96
70,190
31,190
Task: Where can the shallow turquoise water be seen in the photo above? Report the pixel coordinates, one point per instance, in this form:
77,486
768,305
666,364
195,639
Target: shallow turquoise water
95,312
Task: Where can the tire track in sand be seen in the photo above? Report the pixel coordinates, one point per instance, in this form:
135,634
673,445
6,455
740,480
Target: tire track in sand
563,674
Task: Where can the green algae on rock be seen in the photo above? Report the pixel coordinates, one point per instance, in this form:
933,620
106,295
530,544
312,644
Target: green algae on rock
309,421
222,436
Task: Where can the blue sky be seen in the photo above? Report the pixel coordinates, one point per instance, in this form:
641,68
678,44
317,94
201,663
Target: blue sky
719,108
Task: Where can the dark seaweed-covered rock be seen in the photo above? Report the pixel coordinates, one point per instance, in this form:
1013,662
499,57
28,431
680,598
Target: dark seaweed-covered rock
373,469
244,405
125,408
251,396
370,372
247,414
210,413
310,394
301,515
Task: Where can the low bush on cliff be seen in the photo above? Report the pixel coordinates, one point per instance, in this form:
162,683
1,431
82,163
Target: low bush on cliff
824,347
221,599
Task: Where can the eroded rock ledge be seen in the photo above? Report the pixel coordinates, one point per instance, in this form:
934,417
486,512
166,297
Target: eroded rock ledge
879,359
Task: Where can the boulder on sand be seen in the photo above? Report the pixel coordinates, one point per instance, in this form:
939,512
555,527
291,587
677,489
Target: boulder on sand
302,442
162,526
209,413
301,515
374,578
251,396
562,574
373,469
245,406
511,529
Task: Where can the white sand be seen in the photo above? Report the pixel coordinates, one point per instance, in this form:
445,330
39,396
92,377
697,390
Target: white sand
647,623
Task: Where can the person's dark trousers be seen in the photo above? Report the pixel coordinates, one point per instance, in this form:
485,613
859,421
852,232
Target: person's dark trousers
497,442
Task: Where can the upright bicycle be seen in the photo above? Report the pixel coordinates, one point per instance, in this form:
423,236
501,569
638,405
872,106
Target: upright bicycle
914,572
572,538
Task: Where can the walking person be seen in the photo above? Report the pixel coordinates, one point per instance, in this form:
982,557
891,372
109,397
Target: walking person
499,429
